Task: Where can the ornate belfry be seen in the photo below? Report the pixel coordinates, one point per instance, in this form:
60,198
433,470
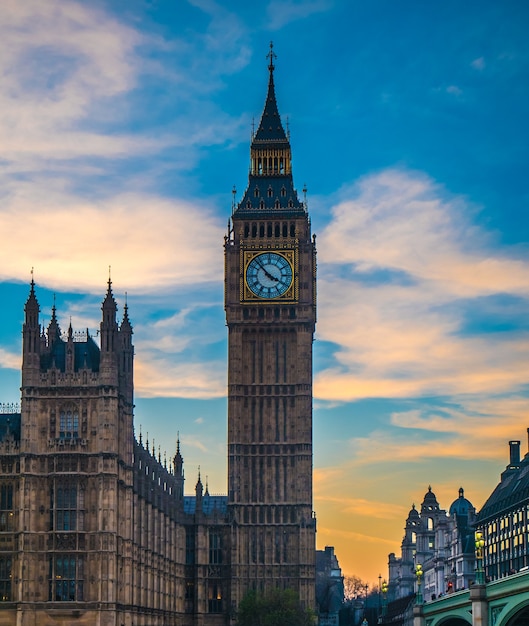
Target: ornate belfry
270,302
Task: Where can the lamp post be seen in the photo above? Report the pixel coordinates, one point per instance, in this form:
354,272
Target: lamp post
384,597
480,571
419,574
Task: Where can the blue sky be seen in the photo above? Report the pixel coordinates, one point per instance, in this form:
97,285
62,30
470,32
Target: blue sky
125,126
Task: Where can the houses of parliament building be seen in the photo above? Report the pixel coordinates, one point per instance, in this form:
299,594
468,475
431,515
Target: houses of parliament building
95,528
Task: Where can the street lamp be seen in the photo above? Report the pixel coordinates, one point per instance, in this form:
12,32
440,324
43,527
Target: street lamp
480,572
384,597
419,573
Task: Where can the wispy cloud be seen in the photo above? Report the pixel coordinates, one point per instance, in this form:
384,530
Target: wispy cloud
170,378
280,13
401,266
10,360
152,241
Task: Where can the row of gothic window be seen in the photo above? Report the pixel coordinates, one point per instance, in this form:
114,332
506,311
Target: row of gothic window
272,229
262,205
270,165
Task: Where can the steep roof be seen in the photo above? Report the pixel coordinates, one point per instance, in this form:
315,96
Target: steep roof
512,491
86,354
270,191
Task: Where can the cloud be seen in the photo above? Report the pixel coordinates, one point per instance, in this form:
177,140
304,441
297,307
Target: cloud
454,90
283,12
161,376
57,60
478,64
10,360
470,431
400,267
150,242
361,507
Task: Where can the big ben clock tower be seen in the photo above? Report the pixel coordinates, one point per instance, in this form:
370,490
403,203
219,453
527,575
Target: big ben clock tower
270,301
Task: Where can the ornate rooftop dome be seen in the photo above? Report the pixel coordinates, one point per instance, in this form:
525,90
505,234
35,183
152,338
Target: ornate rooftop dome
461,506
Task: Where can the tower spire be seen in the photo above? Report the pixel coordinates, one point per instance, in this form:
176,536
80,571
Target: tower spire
270,185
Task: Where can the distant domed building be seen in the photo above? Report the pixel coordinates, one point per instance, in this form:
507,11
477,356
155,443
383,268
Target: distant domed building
442,543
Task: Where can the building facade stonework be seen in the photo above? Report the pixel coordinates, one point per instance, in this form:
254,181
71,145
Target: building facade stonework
95,528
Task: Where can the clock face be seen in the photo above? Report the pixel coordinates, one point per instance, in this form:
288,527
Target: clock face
269,275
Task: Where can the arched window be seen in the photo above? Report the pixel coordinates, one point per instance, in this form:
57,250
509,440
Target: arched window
430,523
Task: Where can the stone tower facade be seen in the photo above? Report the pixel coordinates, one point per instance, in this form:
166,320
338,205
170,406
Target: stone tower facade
94,528
270,302
76,460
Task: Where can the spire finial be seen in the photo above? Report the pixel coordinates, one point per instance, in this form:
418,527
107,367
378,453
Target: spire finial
32,278
271,55
233,202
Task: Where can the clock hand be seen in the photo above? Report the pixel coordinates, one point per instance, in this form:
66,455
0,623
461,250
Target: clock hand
267,274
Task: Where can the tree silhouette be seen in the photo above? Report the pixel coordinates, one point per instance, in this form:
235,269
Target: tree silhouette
274,607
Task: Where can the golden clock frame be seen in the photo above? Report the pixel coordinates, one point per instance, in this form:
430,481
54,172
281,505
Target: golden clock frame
289,253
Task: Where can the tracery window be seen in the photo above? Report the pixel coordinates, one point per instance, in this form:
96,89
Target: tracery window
6,565
214,596
215,547
66,578
67,506
190,545
7,513
69,423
